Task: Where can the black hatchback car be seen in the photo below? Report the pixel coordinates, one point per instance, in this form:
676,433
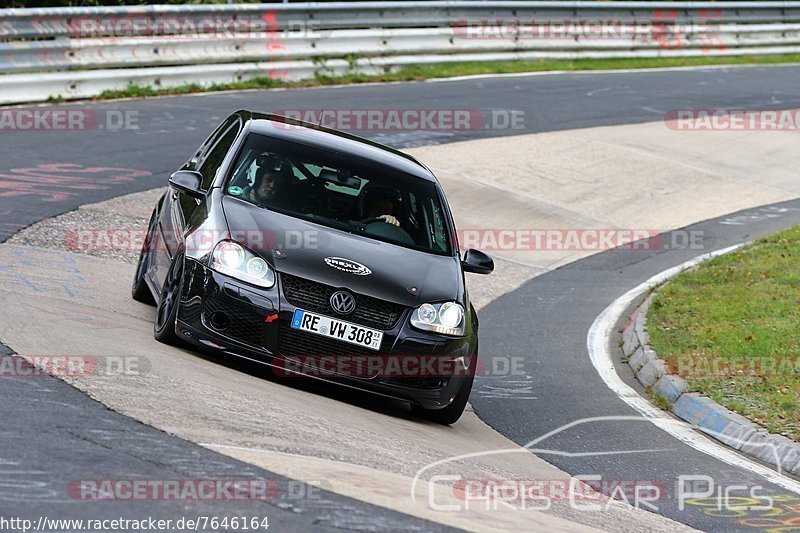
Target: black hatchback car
320,254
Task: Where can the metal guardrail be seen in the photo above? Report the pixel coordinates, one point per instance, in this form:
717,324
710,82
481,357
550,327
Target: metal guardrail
78,52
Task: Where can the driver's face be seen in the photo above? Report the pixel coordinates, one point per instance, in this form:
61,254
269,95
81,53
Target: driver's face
266,187
381,206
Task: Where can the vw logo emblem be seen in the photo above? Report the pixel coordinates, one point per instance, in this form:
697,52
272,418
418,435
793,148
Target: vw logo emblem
343,302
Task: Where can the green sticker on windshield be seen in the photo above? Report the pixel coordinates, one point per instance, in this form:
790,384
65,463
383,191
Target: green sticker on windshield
236,191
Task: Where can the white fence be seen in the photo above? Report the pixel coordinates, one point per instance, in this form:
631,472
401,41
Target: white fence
78,52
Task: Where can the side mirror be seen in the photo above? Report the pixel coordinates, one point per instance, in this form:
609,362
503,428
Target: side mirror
477,262
188,181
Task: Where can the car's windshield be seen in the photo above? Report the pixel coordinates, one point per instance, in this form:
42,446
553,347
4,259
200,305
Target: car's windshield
340,192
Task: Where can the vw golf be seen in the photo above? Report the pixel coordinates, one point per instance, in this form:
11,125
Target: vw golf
317,253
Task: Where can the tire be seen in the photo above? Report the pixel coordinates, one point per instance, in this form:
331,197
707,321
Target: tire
139,290
450,414
168,303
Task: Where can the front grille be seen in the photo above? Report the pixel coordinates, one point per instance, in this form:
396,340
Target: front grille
313,296
244,326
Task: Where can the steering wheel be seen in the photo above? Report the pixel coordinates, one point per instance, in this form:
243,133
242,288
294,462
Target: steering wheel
380,228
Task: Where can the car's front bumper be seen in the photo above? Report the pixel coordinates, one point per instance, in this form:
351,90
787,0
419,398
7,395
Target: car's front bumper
258,322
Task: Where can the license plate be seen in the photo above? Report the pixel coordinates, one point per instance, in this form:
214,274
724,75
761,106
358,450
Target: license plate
337,329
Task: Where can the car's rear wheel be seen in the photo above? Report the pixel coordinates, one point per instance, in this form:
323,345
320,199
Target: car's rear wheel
139,290
450,414
167,309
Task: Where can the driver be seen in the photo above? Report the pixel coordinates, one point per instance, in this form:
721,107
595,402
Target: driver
272,177
380,204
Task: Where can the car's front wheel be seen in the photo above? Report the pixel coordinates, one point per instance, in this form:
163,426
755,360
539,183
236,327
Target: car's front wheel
450,414
168,303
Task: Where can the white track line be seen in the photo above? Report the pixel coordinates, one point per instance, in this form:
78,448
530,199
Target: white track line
598,342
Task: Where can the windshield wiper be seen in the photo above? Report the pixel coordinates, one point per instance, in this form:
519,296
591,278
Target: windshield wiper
350,226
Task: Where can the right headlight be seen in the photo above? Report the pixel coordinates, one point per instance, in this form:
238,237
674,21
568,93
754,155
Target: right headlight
233,259
446,318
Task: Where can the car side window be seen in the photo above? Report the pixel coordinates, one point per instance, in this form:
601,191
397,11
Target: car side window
213,158
439,231
193,162
212,139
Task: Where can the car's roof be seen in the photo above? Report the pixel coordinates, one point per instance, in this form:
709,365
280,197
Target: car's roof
329,139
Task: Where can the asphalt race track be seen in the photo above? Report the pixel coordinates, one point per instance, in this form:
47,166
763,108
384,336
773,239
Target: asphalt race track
545,321
169,128
54,434
566,387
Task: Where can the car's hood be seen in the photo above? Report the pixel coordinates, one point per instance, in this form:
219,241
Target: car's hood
305,246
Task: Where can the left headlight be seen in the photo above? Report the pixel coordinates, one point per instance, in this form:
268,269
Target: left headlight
446,318
233,259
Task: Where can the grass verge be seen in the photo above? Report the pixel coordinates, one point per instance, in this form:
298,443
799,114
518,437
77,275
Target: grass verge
445,70
731,327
